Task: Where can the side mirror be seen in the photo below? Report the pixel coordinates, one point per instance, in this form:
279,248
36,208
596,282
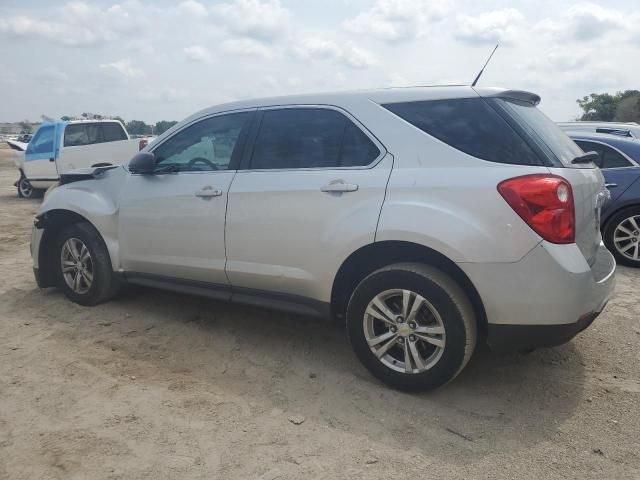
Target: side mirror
143,162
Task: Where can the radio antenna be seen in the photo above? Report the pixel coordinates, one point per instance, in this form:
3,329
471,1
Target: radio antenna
485,65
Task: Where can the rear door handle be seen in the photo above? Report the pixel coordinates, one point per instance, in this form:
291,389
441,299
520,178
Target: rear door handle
610,185
339,187
208,192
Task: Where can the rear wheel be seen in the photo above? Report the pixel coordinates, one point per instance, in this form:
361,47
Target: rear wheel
622,236
412,326
83,265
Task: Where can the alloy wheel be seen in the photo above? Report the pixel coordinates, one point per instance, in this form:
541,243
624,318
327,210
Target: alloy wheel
626,238
404,331
77,266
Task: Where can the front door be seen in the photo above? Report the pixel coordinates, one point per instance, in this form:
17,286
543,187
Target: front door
172,221
309,195
41,153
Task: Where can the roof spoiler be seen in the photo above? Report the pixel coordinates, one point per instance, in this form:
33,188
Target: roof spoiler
517,95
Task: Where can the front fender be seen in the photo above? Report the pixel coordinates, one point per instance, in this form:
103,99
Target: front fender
95,200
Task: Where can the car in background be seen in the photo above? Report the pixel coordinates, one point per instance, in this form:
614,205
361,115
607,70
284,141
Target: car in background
59,147
619,159
621,129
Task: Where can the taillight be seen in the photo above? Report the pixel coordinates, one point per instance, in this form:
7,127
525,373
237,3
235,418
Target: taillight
143,143
545,203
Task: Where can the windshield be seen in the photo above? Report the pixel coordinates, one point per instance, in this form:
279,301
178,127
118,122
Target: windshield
546,133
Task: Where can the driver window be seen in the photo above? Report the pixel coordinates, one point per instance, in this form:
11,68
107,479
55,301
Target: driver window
204,146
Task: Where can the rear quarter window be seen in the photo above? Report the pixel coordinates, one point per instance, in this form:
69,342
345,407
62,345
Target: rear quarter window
469,125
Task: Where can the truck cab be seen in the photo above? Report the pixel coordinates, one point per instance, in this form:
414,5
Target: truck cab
59,147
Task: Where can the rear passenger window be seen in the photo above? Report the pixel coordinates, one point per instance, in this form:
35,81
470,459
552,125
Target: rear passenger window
469,125
310,138
113,132
77,134
357,149
607,156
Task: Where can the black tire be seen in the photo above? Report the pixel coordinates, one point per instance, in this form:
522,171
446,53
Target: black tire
25,190
452,306
608,234
104,285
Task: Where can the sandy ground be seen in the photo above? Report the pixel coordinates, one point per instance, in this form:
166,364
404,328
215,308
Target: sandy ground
157,385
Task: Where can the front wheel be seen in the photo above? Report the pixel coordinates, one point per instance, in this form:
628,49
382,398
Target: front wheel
622,236
26,190
412,326
84,268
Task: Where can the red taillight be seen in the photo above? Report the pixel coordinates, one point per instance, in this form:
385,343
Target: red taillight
545,203
143,143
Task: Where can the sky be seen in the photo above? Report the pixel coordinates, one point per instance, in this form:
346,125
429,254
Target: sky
163,60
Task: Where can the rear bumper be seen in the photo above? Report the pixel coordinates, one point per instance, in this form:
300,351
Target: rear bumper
546,298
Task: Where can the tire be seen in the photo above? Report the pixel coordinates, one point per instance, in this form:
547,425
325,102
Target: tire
443,307
103,284
25,190
623,219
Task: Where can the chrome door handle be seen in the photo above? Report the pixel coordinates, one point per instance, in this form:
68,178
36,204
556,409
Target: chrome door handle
208,192
339,187
610,185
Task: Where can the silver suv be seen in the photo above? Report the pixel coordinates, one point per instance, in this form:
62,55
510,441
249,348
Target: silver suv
425,218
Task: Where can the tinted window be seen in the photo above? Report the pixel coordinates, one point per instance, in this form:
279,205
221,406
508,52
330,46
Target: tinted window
470,125
77,134
310,138
113,132
592,147
42,142
539,127
608,157
357,149
204,146
299,138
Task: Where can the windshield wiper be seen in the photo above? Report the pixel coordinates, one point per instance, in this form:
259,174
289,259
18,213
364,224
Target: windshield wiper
589,157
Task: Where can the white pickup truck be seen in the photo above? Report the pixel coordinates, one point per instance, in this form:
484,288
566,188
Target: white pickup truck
59,147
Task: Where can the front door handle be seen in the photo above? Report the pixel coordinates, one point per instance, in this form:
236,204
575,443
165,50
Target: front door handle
208,192
610,185
339,187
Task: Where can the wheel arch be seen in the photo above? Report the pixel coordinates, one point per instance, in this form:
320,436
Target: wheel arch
371,257
52,222
621,208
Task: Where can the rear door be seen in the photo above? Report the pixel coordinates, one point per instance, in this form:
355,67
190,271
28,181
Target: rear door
308,194
41,153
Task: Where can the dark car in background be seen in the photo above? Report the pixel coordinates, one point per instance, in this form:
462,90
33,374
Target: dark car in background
619,159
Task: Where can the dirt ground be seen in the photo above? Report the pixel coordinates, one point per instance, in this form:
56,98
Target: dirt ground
157,385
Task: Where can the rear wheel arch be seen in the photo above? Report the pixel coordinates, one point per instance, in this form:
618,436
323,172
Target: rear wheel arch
374,256
53,222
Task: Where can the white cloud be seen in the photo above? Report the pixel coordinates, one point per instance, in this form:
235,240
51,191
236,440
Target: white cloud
122,68
247,47
197,53
585,22
191,7
315,48
398,20
496,26
260,19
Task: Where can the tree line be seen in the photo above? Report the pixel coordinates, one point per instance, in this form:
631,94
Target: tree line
622,106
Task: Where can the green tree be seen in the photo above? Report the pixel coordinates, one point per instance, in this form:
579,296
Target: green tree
138,127
606,107
628,109
163,125
66,118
